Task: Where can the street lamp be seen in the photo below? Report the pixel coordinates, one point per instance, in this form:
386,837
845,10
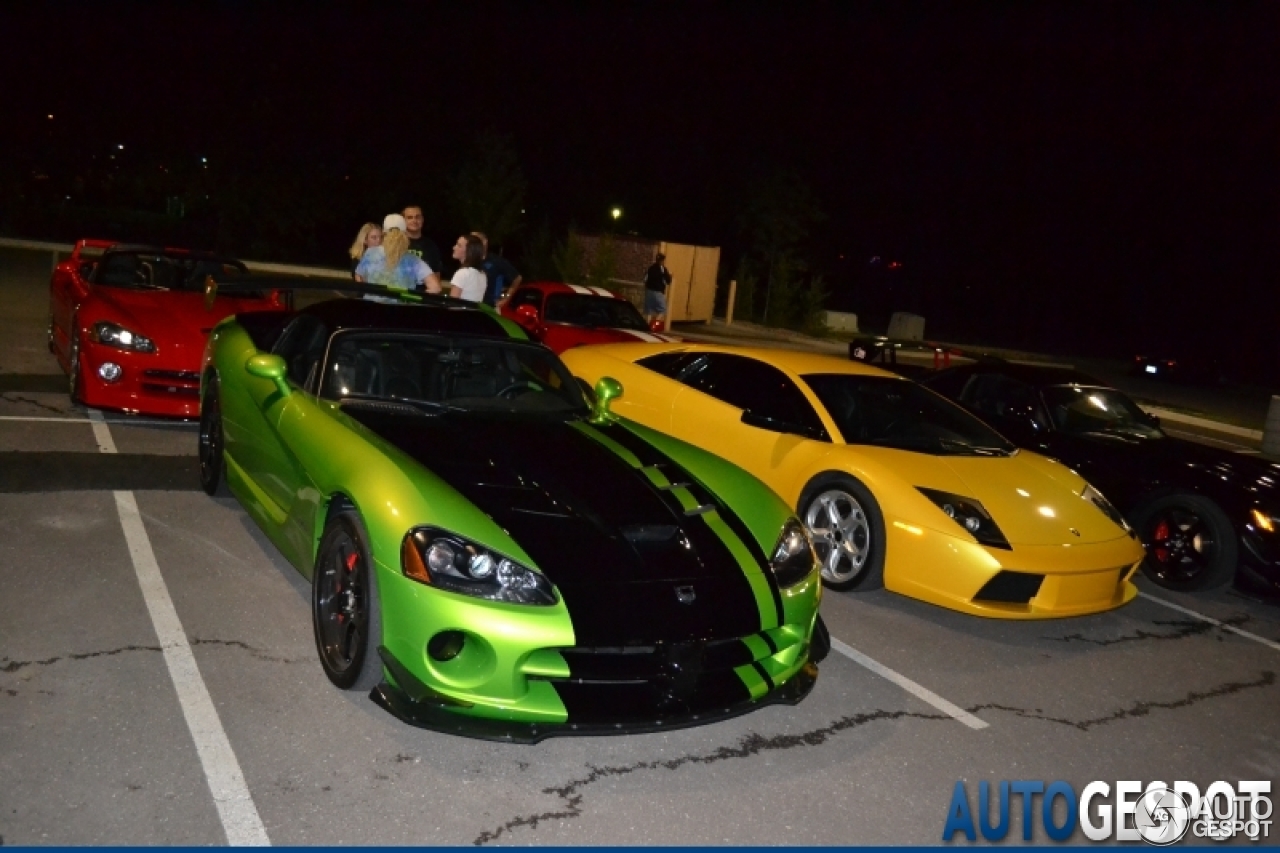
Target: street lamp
616,213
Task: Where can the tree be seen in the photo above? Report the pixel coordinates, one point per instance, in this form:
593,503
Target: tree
489,188
776,220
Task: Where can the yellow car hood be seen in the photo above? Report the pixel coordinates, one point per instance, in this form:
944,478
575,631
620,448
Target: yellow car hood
1034,500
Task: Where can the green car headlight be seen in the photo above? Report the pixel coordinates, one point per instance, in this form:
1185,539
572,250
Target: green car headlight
448,561
1095,497
970,514
793,556
117,336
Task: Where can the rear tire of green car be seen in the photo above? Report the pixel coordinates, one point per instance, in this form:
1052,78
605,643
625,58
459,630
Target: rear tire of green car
345,611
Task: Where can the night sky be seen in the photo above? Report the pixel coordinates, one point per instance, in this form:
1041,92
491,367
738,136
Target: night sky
1086,177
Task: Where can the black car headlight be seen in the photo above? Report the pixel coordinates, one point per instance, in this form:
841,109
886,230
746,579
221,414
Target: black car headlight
452,562
114,335
793,556
1095,497
970,514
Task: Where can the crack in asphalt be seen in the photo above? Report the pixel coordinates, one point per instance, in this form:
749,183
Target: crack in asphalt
754,744
14,665
1138,709
1185,628
253,652
9,398
748,746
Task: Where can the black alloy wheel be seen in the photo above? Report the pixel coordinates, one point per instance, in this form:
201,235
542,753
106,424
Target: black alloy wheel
344,605
847,529
1190,543
213,464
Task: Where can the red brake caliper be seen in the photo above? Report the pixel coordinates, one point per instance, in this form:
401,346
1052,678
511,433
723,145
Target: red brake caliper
1162,536
351,567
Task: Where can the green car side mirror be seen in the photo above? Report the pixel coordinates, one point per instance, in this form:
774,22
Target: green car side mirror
607,389
269,367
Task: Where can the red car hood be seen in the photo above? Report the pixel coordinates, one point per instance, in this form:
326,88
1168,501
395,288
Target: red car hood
176,321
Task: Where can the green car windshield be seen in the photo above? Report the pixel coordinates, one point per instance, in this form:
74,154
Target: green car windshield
453,374
901,414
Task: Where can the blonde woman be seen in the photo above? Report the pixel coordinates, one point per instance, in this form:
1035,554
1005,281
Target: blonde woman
369,235
393,265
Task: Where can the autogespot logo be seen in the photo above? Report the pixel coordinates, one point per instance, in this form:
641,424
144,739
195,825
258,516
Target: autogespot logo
1159,814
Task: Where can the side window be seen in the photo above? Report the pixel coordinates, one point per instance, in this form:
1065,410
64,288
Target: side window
526,296
949,383
669,364
301,345
995,396
750,384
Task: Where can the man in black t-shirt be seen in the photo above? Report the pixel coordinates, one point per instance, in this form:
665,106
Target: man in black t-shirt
502,275
421,245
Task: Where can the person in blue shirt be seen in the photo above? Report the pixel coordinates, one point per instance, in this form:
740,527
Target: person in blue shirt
500,272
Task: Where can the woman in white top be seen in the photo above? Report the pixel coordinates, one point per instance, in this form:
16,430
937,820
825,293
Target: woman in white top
470,282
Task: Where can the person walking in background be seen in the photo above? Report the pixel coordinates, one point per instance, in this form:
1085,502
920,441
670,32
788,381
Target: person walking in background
392,265
469,282
656,281
369,235
500,273
419,244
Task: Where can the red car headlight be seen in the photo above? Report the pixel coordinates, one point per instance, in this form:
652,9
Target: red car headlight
114,335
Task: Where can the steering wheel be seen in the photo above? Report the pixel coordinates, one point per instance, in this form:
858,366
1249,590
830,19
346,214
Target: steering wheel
509,391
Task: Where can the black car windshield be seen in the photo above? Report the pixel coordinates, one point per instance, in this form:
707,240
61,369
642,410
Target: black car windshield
157,271
1079,410
437,373
605,311
889,412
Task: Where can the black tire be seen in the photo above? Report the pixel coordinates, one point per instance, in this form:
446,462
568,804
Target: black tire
1190,543
344,605
212,449
820,643
847,529
74,388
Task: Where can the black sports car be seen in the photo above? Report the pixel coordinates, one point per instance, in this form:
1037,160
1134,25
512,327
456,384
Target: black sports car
1201,512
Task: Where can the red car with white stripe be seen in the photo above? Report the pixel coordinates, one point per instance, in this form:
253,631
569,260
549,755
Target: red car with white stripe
128,323
564,316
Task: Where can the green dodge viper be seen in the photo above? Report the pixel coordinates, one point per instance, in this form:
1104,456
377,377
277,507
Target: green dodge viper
492,552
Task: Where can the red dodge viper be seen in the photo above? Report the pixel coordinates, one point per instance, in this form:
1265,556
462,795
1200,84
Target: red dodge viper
563,316
128,323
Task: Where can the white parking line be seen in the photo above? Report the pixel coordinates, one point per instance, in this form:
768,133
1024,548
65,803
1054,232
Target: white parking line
1216,442
120,422
908,685
1224,626
236,809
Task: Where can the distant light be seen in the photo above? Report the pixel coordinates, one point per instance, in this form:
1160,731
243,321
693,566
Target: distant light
616,213
893,265
121,147
50,116
204,159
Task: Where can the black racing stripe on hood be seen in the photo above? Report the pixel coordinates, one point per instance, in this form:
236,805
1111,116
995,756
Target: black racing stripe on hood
650,455
615,545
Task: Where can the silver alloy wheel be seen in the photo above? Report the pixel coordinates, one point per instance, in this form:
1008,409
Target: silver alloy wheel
841,534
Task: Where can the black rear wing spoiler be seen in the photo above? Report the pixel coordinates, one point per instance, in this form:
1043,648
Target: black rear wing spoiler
878,349
291,284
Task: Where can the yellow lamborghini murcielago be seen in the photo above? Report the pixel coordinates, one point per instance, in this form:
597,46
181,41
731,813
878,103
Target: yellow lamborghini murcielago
897,486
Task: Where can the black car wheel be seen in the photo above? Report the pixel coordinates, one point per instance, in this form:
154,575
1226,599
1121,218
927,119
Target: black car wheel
213,465
1190,543
344,605
847,529
73,373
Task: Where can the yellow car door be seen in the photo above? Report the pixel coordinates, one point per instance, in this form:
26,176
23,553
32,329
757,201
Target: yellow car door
754,415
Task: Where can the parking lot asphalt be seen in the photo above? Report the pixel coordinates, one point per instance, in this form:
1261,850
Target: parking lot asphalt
159,685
